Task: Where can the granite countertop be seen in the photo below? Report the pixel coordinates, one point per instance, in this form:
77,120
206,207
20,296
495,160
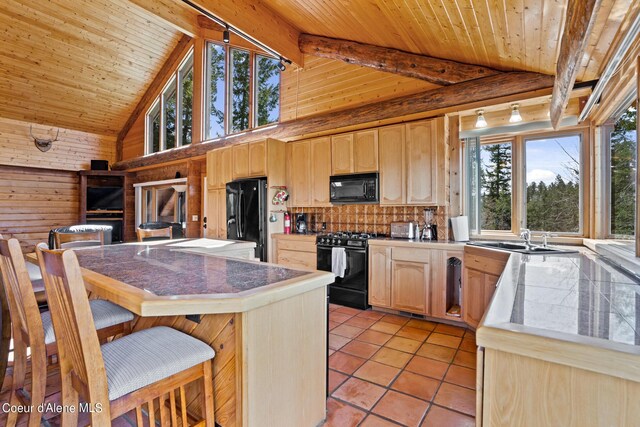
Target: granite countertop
164,278
426,244
581,300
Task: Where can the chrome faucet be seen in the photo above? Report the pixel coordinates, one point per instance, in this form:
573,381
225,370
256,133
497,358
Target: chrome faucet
545,238
525,234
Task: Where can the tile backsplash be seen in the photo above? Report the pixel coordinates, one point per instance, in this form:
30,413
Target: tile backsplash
370,218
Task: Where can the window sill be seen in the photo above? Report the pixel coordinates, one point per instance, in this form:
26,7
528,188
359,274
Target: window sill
507,236
621,252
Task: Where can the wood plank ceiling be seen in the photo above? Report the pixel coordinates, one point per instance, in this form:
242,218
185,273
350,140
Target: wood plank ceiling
507,35
78,64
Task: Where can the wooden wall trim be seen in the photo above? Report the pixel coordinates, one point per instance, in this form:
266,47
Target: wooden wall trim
154,88
434,70
454,97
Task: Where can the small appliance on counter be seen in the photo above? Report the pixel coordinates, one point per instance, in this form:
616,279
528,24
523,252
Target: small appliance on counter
460,228
404,230
302,225
430,229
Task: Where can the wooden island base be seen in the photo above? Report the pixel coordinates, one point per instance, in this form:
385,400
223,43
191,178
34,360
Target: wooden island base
269,368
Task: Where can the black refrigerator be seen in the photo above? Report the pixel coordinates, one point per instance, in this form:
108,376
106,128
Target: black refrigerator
247,213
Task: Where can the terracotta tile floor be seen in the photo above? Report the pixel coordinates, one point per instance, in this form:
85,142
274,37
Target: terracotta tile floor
389,370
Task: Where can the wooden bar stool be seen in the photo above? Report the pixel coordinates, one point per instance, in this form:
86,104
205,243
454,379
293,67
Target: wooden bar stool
127,372
78,239
34,330
153,233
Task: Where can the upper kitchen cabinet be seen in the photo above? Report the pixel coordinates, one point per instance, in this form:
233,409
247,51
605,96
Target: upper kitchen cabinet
308,171
240,163
258,158
355,152
392,165
219,165
412,163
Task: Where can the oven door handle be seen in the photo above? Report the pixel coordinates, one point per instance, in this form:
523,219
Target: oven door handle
361,251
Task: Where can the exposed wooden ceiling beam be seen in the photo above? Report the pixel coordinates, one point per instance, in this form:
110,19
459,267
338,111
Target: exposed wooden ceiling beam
434,70
208,24
258,21
580,17
152,91
177,14
480,90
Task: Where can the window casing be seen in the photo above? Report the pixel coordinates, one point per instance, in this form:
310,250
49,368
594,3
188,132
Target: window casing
242,90
528,181
169,120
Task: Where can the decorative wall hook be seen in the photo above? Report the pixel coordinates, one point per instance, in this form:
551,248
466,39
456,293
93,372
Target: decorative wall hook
43,144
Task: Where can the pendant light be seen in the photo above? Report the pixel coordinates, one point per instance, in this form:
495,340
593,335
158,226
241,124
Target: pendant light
515,114
225,35
480,121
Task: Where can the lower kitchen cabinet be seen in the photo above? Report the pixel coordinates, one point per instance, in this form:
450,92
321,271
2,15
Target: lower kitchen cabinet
295,250
410,286
482,270
216,214
380,276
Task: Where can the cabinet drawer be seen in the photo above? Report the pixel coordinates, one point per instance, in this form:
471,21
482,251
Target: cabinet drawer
410,254
297,246
493,266
296,259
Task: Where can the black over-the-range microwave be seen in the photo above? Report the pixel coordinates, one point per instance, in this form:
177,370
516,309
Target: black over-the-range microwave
356,188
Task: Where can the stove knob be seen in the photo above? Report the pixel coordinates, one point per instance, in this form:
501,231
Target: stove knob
334,241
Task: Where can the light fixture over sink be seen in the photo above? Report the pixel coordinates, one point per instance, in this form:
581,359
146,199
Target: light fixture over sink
481,122
515,114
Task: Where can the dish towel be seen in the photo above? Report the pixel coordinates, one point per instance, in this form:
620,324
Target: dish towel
338,261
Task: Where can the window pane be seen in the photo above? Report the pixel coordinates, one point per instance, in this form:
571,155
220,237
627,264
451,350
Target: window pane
187,104
623,175
239,120
553,184
215,90
154,129
472,151
495,191
170,116
268,90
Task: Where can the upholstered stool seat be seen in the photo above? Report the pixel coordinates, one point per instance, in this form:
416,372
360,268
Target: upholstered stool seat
148,356
105,314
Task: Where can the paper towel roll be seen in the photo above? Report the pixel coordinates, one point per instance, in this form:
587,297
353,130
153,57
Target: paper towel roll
460,228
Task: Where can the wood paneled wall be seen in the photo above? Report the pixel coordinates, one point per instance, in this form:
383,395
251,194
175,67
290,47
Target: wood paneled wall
327,85
33,201
73,151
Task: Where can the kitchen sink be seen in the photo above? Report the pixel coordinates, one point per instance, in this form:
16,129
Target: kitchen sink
522,248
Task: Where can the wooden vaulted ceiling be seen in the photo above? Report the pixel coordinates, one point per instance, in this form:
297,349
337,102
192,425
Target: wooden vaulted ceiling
78,64
507,35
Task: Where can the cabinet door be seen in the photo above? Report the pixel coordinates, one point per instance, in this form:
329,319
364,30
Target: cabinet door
342,154
212,161
211,231
240,161
258,158
392,173
320,171
221,196
380,276
410,286
299,174
225,166
365,151
439,284
421,156
478,288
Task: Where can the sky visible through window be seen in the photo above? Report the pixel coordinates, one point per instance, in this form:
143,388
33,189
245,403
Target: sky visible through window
548,158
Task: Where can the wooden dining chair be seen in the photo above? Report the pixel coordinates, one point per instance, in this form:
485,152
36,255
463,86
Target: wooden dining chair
78,239
127,372
34,330
152,233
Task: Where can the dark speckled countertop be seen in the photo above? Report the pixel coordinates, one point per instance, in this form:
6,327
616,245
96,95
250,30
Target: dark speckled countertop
165,271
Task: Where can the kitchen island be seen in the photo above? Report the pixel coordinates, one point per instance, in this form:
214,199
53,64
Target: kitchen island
266,323
560,344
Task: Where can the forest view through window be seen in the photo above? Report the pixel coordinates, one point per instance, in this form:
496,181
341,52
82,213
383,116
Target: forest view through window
622,146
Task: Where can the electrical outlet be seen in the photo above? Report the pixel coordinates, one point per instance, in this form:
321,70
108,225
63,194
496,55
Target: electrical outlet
194,217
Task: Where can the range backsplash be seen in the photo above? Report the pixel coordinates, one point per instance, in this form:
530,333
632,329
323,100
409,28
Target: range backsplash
370,218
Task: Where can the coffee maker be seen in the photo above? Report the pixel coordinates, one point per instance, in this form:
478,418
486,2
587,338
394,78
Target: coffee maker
301,223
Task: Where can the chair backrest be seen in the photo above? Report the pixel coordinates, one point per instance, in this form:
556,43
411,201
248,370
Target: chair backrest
74,240
79,349
153,233
23,307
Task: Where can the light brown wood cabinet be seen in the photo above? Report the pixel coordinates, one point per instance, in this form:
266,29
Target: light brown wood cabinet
392,165
355,152
240,161
219,165
482,270
216,214
410,286
308,171
412,163
442,298
257,158
380,276
295,251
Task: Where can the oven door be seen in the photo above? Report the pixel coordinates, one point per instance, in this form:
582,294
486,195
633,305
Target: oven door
355,275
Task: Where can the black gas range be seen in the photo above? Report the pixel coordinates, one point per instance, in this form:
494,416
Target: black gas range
346,255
